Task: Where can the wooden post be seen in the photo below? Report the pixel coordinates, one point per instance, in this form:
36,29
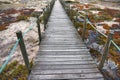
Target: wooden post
84,28
44,18
106,50
39,30
50,7
70,13
23,50
74,22
47,14
49,10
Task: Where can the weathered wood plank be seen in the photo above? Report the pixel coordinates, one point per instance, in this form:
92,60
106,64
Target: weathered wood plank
64,52
63,59
61,39
80,46
66,62
65,66
88,76
64,71
63,55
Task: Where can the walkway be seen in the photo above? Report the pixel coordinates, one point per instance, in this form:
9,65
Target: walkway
62,54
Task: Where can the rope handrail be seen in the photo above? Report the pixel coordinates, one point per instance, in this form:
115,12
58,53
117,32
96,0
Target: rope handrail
104,35
115,45
14,48
50,5
96,29
24,33
88,21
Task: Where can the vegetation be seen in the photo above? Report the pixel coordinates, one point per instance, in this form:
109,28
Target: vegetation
112,12
34,14
98,9
15,71
3,27
6,18
95,54
99,18
1,2
105,26
22,17
117,15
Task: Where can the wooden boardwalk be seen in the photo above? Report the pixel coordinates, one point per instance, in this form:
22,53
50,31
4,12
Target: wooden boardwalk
62,54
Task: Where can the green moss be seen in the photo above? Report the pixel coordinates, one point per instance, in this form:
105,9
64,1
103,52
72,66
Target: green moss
100,18
34,15
117,15
95,53
98,9
106,17
16,71
22,17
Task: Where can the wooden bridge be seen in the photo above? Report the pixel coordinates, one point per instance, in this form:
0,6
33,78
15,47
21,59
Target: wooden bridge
63,55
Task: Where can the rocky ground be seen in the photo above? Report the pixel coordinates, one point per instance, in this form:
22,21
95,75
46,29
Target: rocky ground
113,4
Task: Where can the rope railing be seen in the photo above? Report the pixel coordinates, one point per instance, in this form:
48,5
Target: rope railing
104,54
20,36
115,45
14,48
104,35
47,12
95,28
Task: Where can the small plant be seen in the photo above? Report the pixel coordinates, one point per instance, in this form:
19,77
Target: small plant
34,15
98,9
22,17
15,71
117,15
105,26
3,27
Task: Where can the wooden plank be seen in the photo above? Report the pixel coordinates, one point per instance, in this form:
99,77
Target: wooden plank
72,79
58,38
51,43
65,66
66,62
61,53
60,43
62,56
63,59
64,71
63,46
67,50
68,76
